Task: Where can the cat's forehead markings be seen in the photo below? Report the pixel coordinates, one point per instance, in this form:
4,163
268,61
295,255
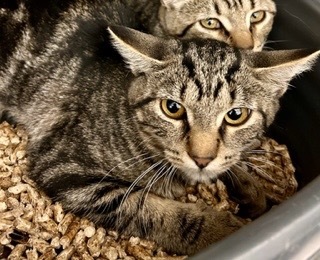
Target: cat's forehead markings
232,4
217,8
253,4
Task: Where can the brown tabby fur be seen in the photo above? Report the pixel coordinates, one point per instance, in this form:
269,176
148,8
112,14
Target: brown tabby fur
100,143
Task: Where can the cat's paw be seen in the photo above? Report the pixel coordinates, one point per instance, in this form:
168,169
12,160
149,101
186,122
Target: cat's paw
248,193
252,201
209,227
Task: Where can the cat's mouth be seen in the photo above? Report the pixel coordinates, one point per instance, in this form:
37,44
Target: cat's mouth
205,170
201,168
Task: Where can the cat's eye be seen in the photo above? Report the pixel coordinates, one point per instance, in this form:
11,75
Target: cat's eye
211,23
172,109
237,116
257,17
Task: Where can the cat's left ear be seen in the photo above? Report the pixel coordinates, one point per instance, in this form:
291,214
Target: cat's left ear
142,52
279,67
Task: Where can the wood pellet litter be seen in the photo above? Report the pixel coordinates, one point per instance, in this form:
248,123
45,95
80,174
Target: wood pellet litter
32,227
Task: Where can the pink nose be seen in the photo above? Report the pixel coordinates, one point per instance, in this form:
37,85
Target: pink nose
202,162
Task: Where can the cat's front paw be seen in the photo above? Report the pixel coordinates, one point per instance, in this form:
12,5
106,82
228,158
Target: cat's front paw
208,227
252,202
248,193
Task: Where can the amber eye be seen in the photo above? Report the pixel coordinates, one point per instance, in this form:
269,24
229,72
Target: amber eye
237,116
257,17
172,109
211,23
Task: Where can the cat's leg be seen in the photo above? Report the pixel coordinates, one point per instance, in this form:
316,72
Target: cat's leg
245,190
182,228
178,227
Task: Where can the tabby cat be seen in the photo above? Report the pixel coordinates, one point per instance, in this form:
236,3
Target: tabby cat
120,121
241,23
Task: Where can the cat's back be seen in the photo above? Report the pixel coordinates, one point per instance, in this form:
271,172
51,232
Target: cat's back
26,27
39,36
27,23
57,49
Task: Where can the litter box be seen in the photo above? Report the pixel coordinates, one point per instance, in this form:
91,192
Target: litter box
292,229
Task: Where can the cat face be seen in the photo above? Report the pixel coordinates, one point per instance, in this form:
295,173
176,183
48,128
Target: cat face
240,23
200,119
201,105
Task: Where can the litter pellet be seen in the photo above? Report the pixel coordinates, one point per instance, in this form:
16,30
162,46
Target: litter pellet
32,227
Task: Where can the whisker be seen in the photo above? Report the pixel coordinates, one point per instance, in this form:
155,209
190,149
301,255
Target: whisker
95,186
262,173
245,172
262,152
302,22
265,47
169,180
129,166
268,48
156,176
126,161
231,174
268,162
275,41
240,168
140,177
130,188
143,141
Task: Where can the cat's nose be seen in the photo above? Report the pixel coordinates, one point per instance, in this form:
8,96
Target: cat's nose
242,40
202,162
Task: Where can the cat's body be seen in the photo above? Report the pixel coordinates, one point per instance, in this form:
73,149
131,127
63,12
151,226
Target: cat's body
240,23
116,144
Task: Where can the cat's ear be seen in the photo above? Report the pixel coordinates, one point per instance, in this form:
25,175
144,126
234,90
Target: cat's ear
142,52
173,4
279,67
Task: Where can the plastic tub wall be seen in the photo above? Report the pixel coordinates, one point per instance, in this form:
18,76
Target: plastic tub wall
291,230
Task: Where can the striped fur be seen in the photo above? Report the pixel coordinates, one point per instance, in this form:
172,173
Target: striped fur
99,141
182,19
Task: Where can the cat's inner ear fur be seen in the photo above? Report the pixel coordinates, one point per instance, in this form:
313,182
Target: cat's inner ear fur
279,67
142,52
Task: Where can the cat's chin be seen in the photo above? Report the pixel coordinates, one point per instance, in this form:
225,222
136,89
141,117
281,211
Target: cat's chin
194,176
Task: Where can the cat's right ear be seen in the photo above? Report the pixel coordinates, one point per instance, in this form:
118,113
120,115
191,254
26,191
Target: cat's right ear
142,52
278,67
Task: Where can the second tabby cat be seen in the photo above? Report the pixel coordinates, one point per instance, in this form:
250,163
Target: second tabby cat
241,23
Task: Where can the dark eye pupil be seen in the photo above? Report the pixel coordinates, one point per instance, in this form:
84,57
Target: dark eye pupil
210,22
235,114
173,107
